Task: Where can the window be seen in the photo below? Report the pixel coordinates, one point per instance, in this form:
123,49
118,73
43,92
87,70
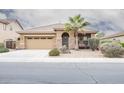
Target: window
36,37
50,38
43,38
29,38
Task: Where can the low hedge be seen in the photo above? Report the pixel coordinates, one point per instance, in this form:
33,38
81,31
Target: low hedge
2,50
54,52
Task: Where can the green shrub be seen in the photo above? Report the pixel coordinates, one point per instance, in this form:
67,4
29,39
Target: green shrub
112,49
122,44
93,43
2,50
1,45
54,52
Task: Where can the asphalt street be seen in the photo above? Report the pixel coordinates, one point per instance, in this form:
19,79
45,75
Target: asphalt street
61,73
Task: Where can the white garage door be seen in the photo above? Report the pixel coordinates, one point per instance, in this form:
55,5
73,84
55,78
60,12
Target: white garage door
40,42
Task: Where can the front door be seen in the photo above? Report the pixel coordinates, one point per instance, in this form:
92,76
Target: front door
65,39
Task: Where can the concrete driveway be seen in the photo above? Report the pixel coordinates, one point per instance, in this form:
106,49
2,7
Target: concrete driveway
23,55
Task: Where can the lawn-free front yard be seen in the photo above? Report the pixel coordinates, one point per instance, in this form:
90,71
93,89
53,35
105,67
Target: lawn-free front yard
83,53
82,56
44,54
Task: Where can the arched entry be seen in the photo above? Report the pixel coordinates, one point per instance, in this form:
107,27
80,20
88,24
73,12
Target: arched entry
65,39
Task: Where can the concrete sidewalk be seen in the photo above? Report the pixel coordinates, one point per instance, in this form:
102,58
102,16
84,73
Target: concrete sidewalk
66,60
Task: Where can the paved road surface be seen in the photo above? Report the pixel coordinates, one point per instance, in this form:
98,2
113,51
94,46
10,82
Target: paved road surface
61,73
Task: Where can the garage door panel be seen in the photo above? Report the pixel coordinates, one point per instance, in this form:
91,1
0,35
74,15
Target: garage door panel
40,43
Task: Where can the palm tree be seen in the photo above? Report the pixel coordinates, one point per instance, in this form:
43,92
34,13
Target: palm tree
75,24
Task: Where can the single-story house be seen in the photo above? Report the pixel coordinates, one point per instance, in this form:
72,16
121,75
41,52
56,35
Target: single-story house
52,36
117,36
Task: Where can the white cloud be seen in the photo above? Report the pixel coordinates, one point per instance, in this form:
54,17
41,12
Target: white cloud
49,16
3,16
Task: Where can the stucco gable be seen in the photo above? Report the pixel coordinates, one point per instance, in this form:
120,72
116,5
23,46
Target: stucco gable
9,21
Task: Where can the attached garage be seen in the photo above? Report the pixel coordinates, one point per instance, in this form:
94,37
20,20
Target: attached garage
38,42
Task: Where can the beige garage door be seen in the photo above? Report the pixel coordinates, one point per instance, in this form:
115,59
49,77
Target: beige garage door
40,42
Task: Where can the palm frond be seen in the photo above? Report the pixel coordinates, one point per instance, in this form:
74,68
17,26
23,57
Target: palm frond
67,27
84,24
75,23
78,16
81,20
71,20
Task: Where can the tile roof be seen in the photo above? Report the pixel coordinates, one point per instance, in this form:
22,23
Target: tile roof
114,35
50,28
47,27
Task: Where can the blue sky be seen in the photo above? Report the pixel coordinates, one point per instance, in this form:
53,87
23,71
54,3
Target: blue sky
108,21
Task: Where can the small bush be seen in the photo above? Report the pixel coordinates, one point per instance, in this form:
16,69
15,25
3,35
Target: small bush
1,45
2,50
54,52
94,43
112,49
122,44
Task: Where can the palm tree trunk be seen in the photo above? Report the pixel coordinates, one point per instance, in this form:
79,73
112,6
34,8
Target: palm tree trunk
76,41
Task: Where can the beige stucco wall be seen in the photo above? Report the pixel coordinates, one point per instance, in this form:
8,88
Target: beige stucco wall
1,26
57,40
92,35
6,32
8,35
15,26
21,43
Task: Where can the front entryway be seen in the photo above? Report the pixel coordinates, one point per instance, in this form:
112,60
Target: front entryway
65,39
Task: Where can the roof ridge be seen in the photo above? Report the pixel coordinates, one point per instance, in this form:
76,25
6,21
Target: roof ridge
114,34
43,26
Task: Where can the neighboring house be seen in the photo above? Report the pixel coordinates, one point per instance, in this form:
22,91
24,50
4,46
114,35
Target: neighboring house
52,36
118,36
8,34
